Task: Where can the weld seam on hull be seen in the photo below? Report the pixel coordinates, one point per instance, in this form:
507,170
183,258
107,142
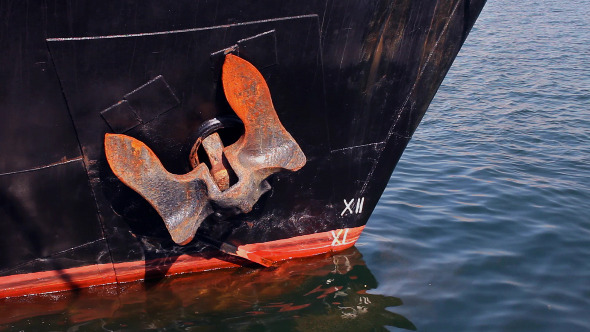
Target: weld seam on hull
182,30
7,270
42,167
359,146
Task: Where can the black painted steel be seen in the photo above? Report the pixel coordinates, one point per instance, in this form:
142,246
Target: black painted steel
350,81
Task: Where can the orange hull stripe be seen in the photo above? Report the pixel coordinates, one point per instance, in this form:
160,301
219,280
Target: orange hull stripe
101,274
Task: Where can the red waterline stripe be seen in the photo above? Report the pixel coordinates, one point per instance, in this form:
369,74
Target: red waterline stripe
101,274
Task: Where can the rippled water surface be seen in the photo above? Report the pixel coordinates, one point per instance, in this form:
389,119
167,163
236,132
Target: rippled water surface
485,224
483,227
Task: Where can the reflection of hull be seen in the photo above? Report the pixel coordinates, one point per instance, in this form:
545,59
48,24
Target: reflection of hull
350,82
323,289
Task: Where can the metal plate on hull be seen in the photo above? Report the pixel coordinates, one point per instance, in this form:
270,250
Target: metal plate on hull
99,72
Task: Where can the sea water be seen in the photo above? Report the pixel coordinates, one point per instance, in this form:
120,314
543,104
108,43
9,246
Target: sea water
484,225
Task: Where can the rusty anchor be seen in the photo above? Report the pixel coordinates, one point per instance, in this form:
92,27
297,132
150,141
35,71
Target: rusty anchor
185,200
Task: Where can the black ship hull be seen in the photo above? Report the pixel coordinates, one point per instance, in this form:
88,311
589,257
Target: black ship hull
350,82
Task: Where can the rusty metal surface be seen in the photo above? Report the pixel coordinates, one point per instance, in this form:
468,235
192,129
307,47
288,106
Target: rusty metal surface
213,146
184,201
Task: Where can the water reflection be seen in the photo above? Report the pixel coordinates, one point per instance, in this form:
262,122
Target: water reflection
312,294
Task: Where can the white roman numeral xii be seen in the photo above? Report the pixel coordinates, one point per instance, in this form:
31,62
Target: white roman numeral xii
350,205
